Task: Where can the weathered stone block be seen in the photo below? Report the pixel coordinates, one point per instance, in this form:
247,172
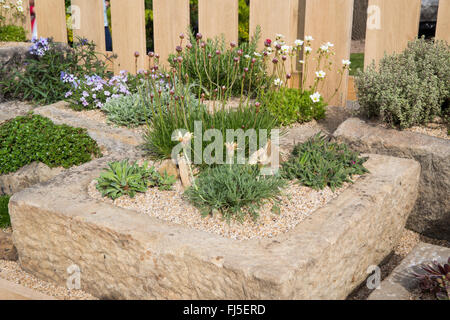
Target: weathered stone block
401,283
123,254
431,215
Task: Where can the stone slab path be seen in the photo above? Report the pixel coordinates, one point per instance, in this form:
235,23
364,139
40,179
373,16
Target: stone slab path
12,291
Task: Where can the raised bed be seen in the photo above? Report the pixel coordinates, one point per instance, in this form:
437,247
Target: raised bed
431,215
126,255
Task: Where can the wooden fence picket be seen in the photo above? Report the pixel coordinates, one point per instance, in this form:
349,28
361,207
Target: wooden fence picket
128,35
51,19
219,17
88,21
443,21
390,26
170,19
337,30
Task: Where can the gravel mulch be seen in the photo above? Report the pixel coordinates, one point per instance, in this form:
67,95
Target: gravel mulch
432,129
298,202
11,271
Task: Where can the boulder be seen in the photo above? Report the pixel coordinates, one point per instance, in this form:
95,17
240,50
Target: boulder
7,249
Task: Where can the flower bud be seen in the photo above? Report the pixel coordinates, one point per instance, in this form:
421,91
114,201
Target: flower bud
275,60
198,36
179,49
268,42
232,44
151,54
136,54
181,36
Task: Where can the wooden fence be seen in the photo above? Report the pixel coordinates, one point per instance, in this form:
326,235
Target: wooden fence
390,25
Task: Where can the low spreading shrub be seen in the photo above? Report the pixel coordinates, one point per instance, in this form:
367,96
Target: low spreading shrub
4,214
290,105
123,178
39,78
234,190
12,33
318,163
128,111
409,88
30,138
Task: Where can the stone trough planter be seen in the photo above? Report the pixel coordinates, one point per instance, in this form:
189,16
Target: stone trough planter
431,215
110,139
126,255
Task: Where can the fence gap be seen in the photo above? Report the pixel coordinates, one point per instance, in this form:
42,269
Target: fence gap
338,15
51,19
219,17
443,21
390,26
128,35
170,19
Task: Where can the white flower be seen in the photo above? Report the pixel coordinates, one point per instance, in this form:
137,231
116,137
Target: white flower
298,42
329,44
285,49
247,56
277,82
346,62
20,8
184,139
324,48
301,61
257,54
315,97
269,50
320,74
309,38
6,6
18,2
231,147
308,49
279,36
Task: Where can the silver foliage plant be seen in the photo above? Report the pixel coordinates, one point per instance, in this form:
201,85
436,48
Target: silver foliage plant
409,88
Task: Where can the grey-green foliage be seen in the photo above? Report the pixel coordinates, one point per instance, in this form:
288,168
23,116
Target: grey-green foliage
123,178
409,88
128,111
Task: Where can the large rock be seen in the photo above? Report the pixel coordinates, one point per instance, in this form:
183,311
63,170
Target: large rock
124,254
26,176
401,283
431,214
7,249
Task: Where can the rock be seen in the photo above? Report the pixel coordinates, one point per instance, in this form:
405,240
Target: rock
401,283
123,254
170,167
12,109
35,172
431,215
185,174
7,249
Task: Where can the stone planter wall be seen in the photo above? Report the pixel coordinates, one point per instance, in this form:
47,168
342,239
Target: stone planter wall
123,254
431,215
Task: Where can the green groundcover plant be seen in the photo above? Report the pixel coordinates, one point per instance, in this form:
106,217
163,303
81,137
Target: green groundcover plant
124,178
290,105
4,214
39,78
234,191
410,88
30,138
318,163
12,33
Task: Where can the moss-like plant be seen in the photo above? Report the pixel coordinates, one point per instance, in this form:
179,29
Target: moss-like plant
318,163
4,214
12,33
291,105
234,190
30,138
124,178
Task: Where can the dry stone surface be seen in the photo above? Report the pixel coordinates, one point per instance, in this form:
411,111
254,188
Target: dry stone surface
431,215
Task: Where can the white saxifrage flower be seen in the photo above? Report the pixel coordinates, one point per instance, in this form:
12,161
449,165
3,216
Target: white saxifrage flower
298,42
346,62
308,49
285,49
315,97
278,82
309,38
320,74
324,48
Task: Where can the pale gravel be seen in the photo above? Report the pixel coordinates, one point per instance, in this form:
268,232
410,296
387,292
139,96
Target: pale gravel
432,129
297,203
11,271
